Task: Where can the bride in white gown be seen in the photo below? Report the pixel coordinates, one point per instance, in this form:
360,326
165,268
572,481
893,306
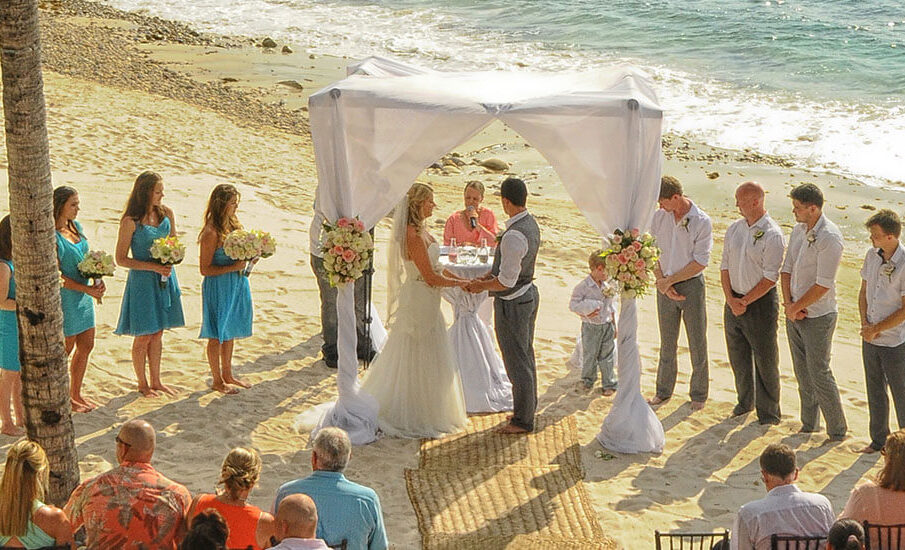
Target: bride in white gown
414,379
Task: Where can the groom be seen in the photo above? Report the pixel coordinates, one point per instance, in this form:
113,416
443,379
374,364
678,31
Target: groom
515,307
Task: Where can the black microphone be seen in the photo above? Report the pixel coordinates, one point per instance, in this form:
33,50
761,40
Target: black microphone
472,219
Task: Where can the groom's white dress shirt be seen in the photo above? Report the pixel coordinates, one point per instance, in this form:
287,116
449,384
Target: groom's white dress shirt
884,283
752,253
513,247
812,259
682,241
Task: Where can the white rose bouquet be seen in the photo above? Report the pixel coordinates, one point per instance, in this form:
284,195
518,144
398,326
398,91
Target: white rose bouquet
96,265
347,250
248,246
167,251
630,261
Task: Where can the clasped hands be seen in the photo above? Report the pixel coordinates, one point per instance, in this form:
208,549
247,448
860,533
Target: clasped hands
794,312
869,332
665,287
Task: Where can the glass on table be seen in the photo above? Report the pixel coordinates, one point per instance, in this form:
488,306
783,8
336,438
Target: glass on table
453,253
483,252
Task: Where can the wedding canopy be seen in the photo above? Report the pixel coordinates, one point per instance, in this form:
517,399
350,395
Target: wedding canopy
375,131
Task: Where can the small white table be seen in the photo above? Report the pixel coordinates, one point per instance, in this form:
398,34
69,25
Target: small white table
487,388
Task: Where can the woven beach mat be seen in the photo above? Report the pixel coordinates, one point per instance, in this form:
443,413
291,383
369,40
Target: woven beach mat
520,507
553,441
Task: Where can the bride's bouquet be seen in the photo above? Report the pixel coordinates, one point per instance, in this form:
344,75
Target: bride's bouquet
167,251
249,245
347,250
630,261
96,265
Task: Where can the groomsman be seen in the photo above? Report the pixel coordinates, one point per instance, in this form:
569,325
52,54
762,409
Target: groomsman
809,301
881,303
684,234
752,257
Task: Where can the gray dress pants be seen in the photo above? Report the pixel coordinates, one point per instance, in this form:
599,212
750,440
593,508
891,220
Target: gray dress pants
693,312
810,341
754,356
513,322
883,366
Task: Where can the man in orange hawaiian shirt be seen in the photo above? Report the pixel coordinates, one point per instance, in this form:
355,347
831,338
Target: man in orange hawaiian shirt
131,506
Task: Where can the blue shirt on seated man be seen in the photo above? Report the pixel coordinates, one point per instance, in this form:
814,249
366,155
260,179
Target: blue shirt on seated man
346,510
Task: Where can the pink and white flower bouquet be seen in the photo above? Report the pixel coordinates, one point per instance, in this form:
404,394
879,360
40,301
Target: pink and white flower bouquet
630,261
167,251
249,245
96,265
347,250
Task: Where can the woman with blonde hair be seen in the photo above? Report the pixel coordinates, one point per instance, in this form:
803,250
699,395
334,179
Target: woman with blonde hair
473,223
415,379
248,525
882,502
24,519
149,306
226,308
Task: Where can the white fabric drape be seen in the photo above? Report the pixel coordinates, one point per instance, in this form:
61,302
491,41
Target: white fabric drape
373,135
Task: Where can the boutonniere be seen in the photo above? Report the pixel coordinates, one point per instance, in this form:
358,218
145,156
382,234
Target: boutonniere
608,290
888,270
498,238
812,237
758,235
685,223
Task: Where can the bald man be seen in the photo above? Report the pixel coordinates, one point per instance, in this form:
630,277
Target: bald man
752,258
132,505
296,523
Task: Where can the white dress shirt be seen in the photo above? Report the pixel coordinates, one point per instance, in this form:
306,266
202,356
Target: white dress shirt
316,235
786,510
293,543
752,253
812,259
513,247
681,242
885,286
587,297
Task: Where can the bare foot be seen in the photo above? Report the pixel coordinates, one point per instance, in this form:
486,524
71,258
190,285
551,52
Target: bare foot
697,405
225,388
164,388
608,392
657,400
511,429
867,450
79,407
12,430
147,391
237,381
81,403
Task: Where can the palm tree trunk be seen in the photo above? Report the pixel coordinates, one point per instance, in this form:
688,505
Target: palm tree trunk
45,380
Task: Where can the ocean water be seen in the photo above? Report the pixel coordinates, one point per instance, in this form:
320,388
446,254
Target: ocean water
822,81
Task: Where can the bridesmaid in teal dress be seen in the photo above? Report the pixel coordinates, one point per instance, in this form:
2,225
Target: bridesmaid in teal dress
77,295
10,382
225,295
147,308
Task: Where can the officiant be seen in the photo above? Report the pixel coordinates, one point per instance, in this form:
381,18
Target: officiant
473,223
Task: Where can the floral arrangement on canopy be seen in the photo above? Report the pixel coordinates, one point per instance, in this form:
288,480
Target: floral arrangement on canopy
347,250
630,261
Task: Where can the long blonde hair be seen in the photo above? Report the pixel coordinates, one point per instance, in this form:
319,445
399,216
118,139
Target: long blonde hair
892,476
240,470
24,480
418,193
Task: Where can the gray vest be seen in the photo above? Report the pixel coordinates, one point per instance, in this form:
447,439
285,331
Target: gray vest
527,226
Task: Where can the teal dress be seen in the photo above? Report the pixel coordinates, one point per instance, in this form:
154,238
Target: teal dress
9,330
34,536
78,307
147,308
226,310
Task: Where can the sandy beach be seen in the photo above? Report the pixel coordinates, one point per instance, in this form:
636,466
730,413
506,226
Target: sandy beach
127,93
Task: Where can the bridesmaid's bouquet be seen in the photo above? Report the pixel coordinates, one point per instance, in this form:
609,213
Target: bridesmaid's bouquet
630,261
96,265
347,250
249,245
167,251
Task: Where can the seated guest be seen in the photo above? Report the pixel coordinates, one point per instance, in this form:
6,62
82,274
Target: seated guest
846,534
249,527
474,223
132,502
296,523
883,501
347,510
209,532
25,521
786,510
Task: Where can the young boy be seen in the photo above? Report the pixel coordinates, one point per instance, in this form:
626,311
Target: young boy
593,301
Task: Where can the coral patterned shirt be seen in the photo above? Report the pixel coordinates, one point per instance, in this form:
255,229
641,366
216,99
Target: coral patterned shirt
132,506
457,227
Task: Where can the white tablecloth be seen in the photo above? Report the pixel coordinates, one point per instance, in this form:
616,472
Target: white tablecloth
487,388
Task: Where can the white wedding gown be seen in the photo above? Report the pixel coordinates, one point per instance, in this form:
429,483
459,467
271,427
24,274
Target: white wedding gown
414,379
